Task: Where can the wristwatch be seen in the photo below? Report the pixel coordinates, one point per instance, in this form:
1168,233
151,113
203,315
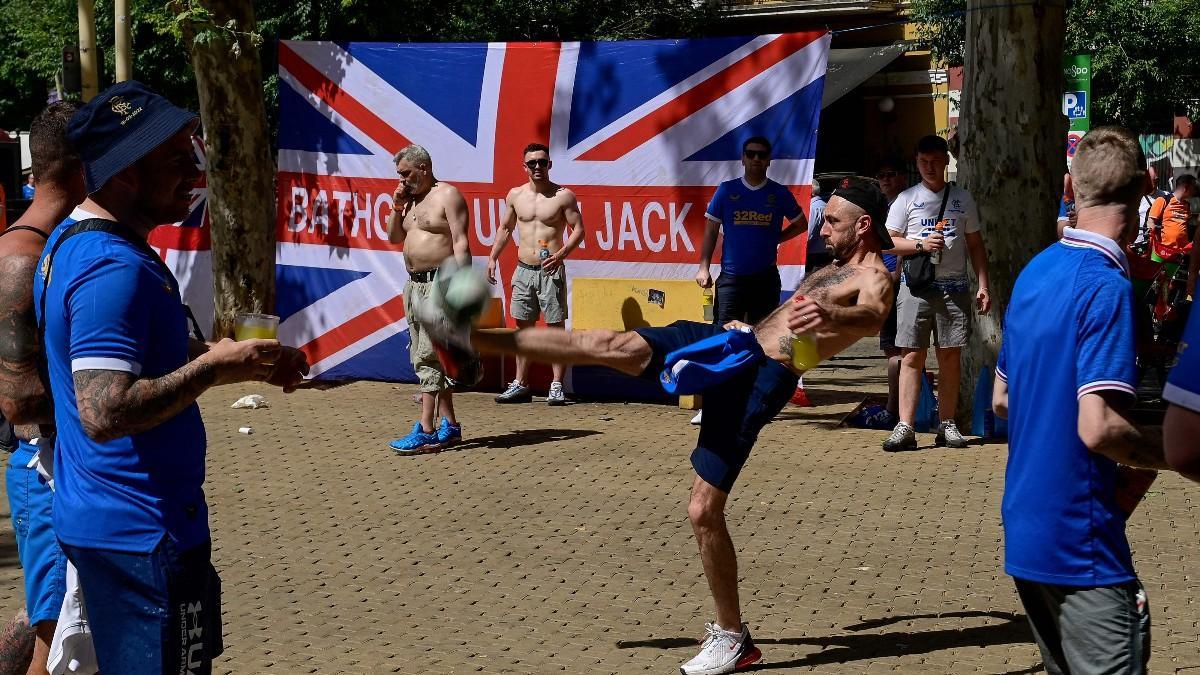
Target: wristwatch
920,246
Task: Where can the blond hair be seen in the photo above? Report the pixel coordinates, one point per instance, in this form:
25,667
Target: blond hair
1109,168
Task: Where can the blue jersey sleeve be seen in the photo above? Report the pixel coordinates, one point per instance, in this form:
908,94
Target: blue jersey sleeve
716,207
1002,361
108,304
1183,385
1104,356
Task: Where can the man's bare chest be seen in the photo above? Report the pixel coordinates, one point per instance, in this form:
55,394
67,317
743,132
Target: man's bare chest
832,284
425,218
539,208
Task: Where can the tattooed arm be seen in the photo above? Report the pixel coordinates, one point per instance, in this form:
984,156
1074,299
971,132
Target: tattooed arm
873,301
23,396
115,403
1105,429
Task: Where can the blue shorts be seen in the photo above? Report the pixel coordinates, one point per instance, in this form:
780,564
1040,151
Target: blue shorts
152,613
31,502
734,412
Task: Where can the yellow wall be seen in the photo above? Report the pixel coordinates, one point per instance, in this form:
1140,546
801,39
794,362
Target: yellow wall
621,304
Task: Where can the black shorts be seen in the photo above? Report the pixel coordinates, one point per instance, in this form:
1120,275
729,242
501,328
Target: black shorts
747,297
734,411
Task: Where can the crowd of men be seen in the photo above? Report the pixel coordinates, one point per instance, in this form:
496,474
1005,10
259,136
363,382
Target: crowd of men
100,375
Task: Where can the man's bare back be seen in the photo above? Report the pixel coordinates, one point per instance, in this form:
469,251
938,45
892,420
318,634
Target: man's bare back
855,296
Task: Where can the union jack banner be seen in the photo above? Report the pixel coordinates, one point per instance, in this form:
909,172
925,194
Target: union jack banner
642,131
186,247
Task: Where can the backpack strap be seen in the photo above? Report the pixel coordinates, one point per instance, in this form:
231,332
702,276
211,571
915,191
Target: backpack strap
116,229
26,228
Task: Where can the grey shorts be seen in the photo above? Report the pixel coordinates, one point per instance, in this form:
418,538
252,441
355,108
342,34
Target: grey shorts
536,293
420,349
1088,631
919,315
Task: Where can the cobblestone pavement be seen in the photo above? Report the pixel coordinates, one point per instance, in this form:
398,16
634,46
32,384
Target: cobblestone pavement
556,539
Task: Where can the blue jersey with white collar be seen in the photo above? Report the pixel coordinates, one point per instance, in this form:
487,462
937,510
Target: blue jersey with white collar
1069,332
1183,385
110,306
752,221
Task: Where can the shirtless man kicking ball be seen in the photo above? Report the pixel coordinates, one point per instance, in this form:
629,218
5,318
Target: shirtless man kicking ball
841,303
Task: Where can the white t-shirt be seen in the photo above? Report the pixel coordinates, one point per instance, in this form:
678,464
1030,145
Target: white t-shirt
914,214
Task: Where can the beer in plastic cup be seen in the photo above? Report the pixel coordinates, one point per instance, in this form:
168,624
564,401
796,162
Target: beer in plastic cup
255,327
804,351
804,348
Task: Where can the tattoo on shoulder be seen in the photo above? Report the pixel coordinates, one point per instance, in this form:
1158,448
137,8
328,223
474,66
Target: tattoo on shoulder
827,278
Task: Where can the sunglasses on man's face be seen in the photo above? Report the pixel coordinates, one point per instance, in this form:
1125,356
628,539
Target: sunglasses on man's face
537,163
887,174
757,154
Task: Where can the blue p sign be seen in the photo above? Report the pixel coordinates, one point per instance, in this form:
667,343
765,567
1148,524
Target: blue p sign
1075,104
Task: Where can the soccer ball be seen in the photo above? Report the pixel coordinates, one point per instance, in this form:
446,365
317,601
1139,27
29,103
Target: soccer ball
465,293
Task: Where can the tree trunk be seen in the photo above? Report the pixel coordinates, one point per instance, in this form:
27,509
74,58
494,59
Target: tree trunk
1013,151
241,172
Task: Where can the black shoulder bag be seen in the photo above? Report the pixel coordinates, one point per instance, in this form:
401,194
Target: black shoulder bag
919,271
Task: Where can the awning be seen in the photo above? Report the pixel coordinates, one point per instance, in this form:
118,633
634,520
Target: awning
849,68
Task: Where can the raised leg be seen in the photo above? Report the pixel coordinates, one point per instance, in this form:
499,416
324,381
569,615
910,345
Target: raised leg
626,352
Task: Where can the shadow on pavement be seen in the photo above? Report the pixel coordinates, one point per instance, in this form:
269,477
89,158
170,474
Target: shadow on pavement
8,549
847,648
526,437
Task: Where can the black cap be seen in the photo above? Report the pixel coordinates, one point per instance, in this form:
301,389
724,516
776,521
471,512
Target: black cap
869,198
123,124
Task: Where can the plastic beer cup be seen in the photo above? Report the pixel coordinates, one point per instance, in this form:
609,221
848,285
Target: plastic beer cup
804,351
255,327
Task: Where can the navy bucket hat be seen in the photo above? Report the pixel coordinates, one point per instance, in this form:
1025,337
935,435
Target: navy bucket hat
121,125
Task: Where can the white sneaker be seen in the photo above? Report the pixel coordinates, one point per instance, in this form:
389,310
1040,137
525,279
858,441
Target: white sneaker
903,438
699,416
723,651
949,435
555,397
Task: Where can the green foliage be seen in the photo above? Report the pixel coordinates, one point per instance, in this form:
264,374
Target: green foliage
35,32
1145,54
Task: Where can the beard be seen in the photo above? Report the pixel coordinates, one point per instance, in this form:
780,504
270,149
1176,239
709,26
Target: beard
841,249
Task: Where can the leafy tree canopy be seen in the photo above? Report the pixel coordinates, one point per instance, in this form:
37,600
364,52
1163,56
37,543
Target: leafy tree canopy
35,32
1145,54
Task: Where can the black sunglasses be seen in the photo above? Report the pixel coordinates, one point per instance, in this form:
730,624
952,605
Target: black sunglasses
887,174
757,154
537,163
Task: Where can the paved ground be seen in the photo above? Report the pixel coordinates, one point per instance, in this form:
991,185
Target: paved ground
557,540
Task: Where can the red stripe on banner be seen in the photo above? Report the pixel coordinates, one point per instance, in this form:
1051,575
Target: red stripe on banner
684,105
795,251
339,100
361,326
523,112
180,238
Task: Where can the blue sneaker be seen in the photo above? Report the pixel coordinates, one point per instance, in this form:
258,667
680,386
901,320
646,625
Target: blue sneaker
417,443
449,434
